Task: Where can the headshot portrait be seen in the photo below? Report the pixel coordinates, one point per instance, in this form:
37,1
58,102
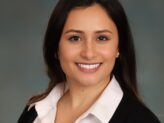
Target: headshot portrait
95,64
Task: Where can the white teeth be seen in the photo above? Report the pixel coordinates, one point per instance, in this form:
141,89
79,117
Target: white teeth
89,66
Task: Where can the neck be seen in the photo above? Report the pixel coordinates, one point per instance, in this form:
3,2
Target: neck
79,96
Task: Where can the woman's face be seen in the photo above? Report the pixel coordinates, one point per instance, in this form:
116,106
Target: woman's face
88,46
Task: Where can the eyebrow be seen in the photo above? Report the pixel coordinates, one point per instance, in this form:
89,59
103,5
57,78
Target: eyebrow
79,31
104,31
73,30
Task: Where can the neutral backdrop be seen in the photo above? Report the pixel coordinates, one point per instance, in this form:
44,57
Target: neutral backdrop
22,70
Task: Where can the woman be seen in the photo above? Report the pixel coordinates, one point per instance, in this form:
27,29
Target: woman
90,60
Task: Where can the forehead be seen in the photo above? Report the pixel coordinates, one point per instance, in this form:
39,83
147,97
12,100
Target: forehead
93,17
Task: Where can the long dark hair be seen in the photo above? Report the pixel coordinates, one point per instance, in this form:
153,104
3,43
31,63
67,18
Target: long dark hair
125,66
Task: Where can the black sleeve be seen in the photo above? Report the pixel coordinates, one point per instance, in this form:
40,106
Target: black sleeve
141,114
131,110
28,116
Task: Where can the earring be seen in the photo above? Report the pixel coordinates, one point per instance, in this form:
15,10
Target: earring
117,54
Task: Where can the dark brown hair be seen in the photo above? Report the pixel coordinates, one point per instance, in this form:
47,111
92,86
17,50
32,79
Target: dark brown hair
125,66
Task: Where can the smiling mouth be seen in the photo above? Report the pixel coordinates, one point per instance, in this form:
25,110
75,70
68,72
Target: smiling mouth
88,67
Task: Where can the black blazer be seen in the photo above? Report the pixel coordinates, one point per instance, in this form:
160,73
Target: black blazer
130,110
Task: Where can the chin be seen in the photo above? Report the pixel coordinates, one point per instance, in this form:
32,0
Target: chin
89,82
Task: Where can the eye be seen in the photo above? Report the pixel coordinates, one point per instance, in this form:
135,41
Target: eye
74,38
103,38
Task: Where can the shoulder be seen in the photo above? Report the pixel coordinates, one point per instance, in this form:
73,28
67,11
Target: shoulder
139,113
131,110
30,112
28,115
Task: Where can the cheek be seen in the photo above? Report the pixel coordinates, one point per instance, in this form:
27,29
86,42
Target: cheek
109,53
66,54
110,50
109,57
64,59
63,56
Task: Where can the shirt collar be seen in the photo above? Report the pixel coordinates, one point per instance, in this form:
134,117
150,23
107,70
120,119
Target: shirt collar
47,104
103,109
107,103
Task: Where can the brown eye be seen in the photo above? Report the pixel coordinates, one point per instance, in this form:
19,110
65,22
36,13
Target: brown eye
102,38
74,38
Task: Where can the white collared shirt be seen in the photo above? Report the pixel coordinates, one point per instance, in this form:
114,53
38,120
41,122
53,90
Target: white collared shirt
100,112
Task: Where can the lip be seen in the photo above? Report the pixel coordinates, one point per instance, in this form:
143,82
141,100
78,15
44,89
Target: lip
88,67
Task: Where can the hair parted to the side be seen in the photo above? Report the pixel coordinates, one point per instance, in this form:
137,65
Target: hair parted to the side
125,66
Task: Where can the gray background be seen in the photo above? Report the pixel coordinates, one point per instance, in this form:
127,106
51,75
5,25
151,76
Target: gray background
22,71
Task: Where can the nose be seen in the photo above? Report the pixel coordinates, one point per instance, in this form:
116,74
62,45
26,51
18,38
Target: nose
88,51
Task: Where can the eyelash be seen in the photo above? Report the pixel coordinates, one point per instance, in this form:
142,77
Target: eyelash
74,38
105,38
